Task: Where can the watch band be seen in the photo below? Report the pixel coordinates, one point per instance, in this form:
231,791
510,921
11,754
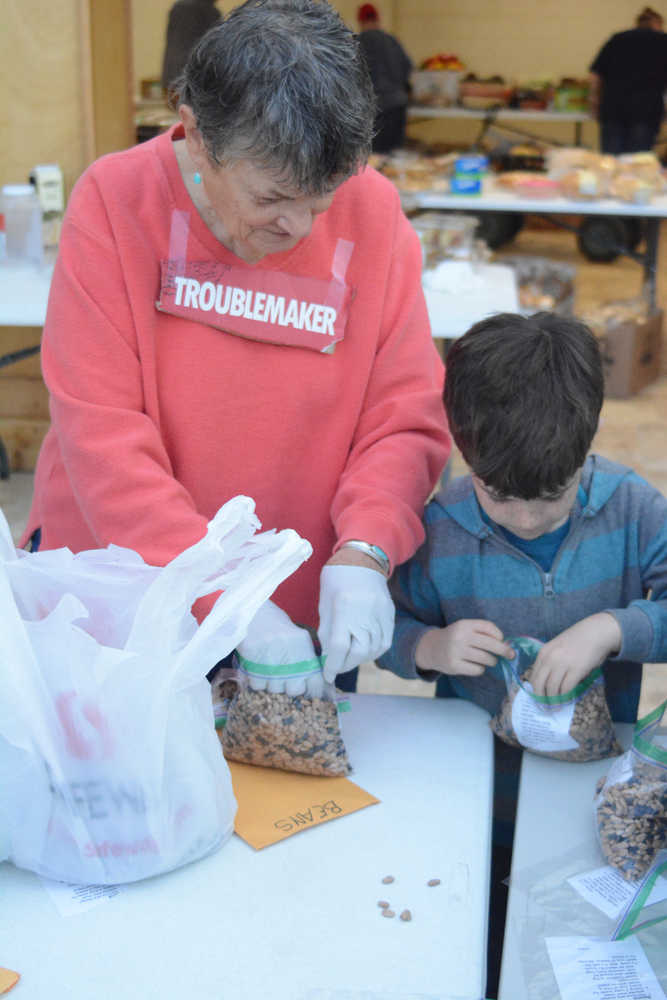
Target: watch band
374,551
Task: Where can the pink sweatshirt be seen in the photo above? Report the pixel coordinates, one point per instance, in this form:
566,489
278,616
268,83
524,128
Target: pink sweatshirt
159,415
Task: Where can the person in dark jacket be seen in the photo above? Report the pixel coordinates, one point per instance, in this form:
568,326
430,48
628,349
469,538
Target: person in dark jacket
628,81
188,21
390,68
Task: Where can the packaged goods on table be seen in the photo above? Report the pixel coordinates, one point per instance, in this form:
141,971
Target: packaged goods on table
631,801
571,94
414,172
481,93
574,726
469,171
604,317
436,82
522,156
585,175
529,184
443,235
544,285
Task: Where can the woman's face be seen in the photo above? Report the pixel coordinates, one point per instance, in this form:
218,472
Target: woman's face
256,213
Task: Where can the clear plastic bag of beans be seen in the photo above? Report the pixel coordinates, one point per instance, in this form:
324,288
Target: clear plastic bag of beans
282,713
631,801
575,901
573,726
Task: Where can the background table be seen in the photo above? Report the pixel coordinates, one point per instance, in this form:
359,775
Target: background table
495,199
24,292
554,815
299,920
501,116
491,288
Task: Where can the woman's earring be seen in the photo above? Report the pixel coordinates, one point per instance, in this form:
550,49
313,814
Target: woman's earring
197,177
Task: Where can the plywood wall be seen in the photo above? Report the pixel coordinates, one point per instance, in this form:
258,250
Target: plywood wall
149,20
43,109
518,38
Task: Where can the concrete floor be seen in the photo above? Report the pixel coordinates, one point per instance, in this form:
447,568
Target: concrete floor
632,431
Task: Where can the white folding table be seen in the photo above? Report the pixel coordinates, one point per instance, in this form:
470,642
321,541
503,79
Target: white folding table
469,293
511,120
554,816
24,293
493,198
299,920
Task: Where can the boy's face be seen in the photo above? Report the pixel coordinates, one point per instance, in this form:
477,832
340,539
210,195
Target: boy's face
527,518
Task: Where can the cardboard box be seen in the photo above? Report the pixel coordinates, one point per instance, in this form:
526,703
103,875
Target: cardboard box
631,355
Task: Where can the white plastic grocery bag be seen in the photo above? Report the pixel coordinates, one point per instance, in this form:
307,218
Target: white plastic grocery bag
110,767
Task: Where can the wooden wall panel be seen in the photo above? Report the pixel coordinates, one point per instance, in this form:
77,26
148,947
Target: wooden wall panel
41,112
111,74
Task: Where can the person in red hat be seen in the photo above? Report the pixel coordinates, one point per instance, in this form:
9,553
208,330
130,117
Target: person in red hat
390,68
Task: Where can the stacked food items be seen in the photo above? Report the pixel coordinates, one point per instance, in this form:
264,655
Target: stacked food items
543,284
583,175
446,235
570,94
413,171
575,173
440,81
436,82
481,93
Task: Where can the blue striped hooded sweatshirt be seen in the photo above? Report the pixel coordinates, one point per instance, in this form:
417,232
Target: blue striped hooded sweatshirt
613,558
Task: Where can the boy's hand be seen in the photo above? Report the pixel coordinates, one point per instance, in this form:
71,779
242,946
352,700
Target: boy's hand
466,647
562,663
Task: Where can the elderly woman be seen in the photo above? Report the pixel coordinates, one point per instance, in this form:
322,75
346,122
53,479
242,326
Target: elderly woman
237,308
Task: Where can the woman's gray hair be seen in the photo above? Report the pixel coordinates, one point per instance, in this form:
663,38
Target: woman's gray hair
283,83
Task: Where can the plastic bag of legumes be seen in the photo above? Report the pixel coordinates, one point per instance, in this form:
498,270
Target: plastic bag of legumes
282,713
572,726
631,801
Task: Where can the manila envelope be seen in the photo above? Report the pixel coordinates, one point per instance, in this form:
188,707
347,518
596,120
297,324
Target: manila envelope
273,804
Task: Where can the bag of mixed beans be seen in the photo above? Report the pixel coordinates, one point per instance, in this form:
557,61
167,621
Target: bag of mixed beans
573,726
275,709
631,801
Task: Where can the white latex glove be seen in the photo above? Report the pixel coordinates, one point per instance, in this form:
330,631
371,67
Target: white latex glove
273,639
356,617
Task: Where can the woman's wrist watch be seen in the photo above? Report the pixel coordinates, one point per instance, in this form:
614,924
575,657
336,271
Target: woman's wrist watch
373,551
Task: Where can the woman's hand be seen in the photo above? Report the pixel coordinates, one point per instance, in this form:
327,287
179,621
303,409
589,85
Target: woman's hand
356,613
562,663
468,646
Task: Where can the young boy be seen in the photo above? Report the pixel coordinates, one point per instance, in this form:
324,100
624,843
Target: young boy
540,539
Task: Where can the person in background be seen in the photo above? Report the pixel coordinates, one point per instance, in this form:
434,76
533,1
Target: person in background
540,539
237,309
628,80
390,68
188,20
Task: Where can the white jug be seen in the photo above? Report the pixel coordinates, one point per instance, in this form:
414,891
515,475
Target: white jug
23,224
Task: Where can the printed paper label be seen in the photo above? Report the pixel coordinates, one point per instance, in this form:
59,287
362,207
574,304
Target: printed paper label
258,304
610,893
589,969
537,728
71,899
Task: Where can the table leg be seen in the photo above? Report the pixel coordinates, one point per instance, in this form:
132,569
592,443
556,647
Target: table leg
652,236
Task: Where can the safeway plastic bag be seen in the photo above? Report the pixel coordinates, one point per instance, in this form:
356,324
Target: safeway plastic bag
110,768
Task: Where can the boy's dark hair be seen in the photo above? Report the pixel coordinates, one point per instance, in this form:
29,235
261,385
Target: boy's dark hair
523,396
